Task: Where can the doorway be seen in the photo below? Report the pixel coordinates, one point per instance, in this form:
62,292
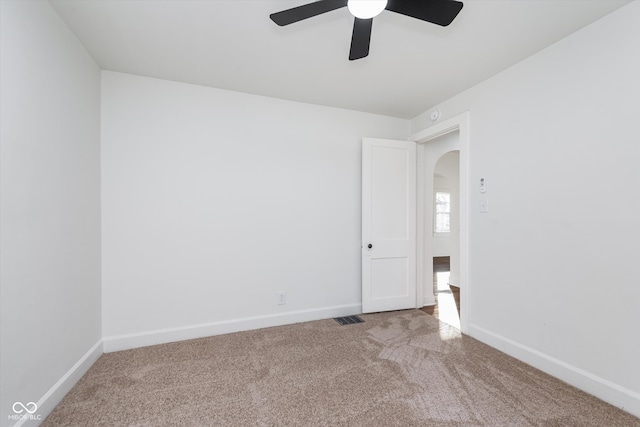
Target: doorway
442,230
447,307
432,143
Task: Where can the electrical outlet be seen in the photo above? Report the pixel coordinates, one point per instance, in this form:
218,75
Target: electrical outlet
281,298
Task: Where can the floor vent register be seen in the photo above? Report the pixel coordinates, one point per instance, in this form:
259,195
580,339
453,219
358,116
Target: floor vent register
348,320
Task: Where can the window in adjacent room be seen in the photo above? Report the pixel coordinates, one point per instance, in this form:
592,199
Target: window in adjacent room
443,212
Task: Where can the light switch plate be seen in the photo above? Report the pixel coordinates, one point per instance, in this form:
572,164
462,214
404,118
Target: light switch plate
484,205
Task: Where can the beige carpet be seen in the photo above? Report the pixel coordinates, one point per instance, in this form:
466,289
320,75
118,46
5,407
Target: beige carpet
396,369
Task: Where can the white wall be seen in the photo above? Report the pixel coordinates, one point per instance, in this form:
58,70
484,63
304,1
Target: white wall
213,201
556,138
50,207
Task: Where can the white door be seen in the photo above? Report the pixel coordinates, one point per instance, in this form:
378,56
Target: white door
388,225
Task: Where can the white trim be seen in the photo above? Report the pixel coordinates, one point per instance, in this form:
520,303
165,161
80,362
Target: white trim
465,140
442,128
54,396
460,123
623,398
422,298
162,336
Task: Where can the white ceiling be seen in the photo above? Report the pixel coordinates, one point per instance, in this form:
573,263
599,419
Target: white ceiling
232,44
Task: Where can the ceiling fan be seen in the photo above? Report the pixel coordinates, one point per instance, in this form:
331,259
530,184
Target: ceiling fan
440,12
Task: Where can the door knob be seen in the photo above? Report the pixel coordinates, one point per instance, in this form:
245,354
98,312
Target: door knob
369,245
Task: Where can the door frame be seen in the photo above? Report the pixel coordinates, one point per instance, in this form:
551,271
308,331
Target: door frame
460,123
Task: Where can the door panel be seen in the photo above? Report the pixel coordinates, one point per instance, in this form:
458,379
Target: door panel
389,278
389,193
388,225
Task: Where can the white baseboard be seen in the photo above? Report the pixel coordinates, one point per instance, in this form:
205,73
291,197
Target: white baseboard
162,336
623,398
51,398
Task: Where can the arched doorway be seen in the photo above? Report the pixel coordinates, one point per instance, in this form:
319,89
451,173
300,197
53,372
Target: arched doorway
434,142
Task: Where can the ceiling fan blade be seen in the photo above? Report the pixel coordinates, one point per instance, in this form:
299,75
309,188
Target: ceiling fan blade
305,11
440,12
360,38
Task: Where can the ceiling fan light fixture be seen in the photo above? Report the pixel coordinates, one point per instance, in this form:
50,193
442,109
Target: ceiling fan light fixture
366,9
440,12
